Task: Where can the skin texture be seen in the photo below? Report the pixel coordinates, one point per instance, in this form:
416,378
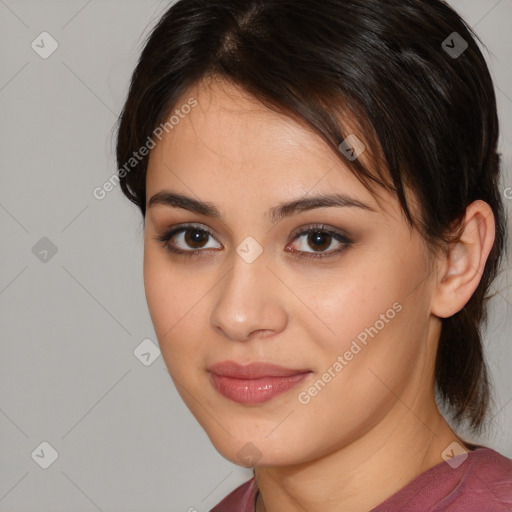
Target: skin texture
375,426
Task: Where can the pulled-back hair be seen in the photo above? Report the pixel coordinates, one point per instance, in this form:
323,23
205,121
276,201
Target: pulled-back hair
393,70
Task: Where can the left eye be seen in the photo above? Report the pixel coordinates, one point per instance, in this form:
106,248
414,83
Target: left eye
319,240
190,240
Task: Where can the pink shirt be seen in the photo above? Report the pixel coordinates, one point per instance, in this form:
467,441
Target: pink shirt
482,483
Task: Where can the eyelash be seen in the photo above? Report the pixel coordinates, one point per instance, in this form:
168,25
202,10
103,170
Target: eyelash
165,237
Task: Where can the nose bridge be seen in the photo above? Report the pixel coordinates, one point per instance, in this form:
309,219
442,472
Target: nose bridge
247,298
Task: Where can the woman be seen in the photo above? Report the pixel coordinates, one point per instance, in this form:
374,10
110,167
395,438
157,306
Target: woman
322,220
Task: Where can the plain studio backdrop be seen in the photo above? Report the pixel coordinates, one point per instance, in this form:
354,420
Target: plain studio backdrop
74,386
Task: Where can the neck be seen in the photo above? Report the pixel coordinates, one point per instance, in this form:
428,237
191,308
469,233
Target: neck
401,447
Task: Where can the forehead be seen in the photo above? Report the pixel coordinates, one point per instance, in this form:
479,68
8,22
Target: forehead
230,146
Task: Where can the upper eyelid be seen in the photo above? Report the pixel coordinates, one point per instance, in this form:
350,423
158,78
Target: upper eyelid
321,226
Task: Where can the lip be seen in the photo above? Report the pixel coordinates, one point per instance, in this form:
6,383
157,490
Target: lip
255,370
254,383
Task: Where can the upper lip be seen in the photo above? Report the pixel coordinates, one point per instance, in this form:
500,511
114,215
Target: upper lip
255,370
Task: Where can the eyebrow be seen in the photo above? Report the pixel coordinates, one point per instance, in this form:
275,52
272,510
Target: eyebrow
175,200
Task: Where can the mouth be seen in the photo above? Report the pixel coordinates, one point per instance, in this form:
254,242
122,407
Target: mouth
254,383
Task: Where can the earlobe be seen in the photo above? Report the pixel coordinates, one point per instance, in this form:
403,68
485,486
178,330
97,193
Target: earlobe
461,268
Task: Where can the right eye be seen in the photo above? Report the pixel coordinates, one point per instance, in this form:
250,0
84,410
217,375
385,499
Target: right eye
188,240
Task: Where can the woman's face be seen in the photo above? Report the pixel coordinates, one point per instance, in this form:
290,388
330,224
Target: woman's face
355,324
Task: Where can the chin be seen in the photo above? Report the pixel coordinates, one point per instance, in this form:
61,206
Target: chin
258,451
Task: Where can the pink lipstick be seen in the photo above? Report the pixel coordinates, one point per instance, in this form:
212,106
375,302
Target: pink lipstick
254,383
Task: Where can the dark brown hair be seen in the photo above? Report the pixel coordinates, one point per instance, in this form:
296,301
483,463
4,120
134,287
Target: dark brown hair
394,69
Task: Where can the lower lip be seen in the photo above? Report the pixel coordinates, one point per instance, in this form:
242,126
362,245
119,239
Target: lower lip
254,391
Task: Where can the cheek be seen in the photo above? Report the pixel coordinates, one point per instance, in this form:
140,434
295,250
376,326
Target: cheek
357,382
161,292
345,306
171,297
371,319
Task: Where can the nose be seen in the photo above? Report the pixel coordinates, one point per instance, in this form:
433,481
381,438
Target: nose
248,304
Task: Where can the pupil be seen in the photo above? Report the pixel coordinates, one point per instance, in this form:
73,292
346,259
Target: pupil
317,238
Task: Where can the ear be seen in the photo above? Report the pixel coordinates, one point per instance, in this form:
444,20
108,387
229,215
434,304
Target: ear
460,270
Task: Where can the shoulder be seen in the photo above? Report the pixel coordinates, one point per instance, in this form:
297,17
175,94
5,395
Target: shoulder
240,500
472,482
487,479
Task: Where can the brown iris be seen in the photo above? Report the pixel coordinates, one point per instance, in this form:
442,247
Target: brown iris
319,240
196,238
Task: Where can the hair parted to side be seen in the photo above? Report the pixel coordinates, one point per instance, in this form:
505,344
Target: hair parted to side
430,120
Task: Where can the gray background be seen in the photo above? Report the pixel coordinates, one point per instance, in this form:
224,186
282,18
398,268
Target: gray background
70,323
